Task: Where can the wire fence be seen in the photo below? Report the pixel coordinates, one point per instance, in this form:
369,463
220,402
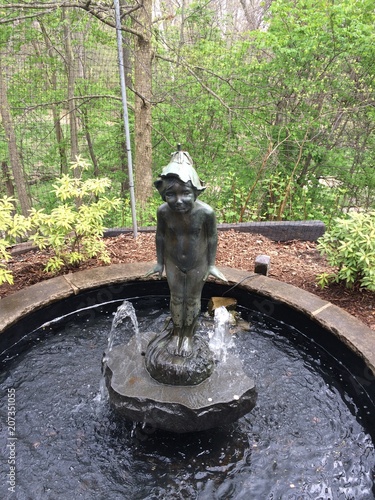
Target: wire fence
37,84
47,95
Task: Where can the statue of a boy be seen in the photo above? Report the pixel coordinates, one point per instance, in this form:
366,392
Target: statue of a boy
186,242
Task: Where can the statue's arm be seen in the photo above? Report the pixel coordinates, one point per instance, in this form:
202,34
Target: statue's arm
160,241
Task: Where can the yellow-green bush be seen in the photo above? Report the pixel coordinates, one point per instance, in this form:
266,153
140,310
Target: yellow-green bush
74,228
12,225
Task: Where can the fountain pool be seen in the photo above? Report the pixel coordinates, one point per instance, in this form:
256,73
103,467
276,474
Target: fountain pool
309,436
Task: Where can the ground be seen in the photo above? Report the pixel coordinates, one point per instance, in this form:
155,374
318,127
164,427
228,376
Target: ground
294,262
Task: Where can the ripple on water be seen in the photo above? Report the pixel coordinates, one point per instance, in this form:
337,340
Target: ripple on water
302,440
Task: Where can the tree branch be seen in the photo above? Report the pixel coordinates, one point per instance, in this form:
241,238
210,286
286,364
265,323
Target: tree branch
23,18
100,11
187,66
65,101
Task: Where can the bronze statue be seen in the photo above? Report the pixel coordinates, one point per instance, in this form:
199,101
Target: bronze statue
186,242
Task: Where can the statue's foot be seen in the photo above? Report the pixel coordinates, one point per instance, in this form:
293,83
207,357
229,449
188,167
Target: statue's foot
186,347
173,345
180,347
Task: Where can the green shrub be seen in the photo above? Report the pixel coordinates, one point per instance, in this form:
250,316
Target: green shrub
12,226
74,229
350,246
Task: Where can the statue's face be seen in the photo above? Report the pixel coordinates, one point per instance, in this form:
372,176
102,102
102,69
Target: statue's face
180,197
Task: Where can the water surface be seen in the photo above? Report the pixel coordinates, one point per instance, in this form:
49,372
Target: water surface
304,439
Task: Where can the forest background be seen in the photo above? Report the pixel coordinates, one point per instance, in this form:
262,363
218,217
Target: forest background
273,99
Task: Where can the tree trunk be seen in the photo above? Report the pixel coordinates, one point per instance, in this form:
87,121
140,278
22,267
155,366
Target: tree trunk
8,179
142,105
85,124
71,75
15,161
254,11
128,68
52,79
125,186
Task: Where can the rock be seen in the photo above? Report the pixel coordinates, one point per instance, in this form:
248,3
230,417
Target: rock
262,265
221,399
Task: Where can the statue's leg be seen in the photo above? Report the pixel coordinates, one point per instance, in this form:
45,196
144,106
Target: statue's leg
177,312
191,322
192,308
185,305
177,286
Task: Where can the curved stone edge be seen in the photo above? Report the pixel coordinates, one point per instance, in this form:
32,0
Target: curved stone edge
174,417
348,329
18,305
355,334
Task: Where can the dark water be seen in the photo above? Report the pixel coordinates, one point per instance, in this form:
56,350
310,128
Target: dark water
305,438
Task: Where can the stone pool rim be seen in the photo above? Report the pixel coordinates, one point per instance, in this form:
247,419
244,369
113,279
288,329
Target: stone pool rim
357,336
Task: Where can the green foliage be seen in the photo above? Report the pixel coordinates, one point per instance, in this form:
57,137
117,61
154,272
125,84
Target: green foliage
227,197
285,199
263,113
74,229
12,226
350,246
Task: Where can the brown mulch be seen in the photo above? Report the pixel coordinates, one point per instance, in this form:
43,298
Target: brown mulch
294,262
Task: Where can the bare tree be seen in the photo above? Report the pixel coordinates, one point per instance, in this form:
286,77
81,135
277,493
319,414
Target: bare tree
254,11
52,82
15,161
71,75
143,87
7,178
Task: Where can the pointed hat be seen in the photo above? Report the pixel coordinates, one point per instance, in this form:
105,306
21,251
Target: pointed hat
181,167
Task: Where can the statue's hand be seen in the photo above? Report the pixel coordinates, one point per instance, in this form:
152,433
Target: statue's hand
214,271
157,269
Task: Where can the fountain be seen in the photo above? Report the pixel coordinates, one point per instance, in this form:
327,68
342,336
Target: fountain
178,385
310,435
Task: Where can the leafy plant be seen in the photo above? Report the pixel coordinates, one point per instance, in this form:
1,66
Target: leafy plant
350,246
12,226
74,228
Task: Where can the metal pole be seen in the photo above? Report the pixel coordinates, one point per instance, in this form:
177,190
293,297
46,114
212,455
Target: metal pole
126,116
